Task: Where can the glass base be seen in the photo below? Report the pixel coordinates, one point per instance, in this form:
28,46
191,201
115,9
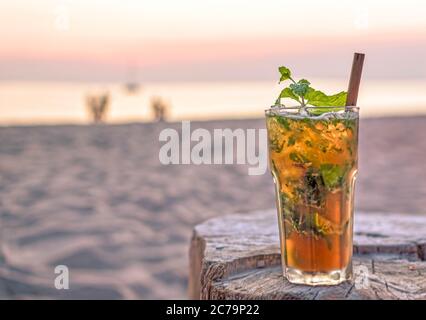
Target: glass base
318,278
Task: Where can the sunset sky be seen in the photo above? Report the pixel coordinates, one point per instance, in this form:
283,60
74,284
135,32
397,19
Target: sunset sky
104,40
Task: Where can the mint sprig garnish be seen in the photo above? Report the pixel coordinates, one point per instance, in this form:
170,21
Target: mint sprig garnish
302,92
285,73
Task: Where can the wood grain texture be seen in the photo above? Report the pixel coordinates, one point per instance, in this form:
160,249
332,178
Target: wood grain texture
237,257
355,79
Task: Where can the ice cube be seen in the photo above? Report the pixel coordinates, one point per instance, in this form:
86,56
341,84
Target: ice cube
326,116
303,112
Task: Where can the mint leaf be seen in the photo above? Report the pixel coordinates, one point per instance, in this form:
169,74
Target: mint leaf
288,93
275,145
291,141
350,124
304,81
332,174
283,121
309,143
298,158
318,98
302,92
285,73
300,88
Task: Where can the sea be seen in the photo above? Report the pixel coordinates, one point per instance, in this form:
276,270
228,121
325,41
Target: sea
33,103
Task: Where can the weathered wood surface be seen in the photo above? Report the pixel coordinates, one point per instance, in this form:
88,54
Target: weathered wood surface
238,257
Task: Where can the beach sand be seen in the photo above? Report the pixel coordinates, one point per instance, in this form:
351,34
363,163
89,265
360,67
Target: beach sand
97,199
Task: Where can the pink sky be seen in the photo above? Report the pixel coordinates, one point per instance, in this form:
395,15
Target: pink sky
208,40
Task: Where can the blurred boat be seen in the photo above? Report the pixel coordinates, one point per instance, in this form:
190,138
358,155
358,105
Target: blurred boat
132,87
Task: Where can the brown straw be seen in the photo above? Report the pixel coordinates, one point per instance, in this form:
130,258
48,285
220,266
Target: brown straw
355,79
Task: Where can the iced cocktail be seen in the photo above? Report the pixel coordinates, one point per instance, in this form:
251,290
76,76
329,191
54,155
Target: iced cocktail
313,156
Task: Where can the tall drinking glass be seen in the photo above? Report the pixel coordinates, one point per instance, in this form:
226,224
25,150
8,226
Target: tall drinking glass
313,157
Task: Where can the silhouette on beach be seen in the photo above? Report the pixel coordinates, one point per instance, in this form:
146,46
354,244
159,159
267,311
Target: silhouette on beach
98,106
159,108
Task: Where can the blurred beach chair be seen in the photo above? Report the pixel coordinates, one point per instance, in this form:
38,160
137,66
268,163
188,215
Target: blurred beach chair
98,105
159,109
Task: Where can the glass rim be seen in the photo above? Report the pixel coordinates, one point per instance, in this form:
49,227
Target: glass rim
331,108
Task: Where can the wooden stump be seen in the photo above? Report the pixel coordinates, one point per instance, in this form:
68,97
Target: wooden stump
238,257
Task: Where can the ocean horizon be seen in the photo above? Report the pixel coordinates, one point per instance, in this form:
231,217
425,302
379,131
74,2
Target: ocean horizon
32,103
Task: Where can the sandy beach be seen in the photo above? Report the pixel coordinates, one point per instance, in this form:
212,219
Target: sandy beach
97,199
